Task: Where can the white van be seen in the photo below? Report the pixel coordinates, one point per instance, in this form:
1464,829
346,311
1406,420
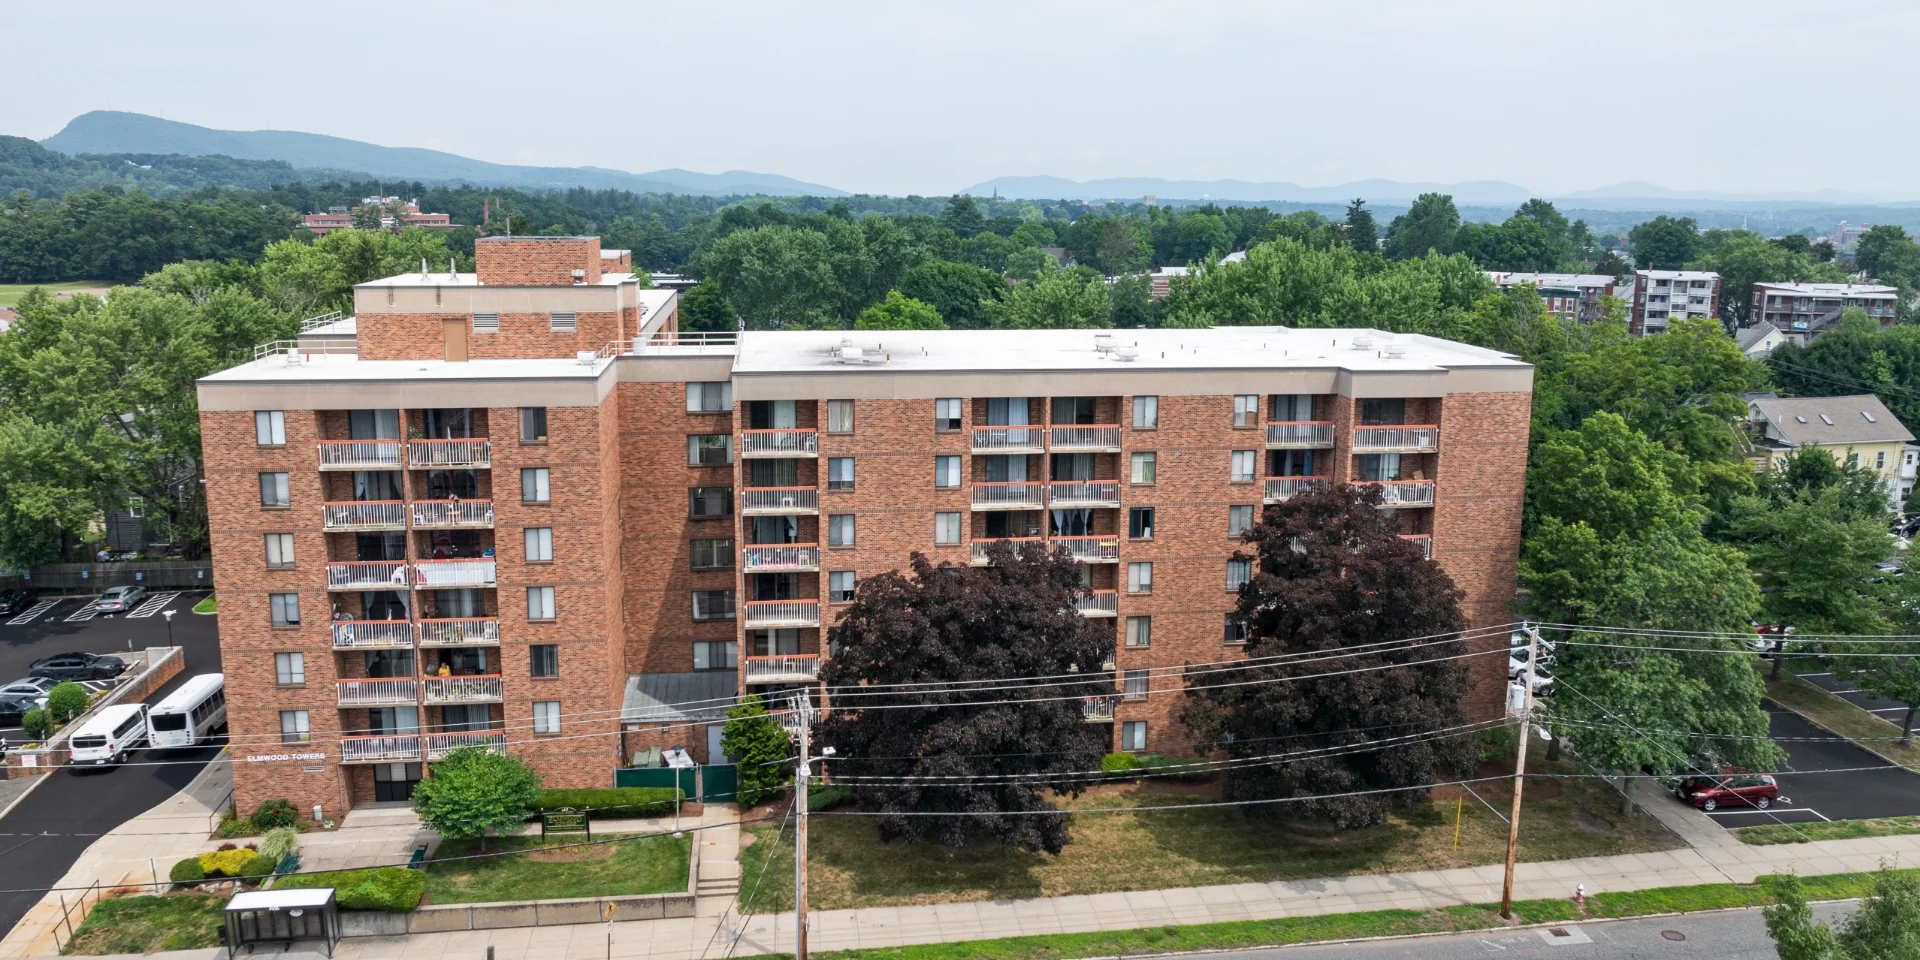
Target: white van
112,735
189,715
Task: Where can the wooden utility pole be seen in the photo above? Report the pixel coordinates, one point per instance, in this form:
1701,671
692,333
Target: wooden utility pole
1519,769
803,708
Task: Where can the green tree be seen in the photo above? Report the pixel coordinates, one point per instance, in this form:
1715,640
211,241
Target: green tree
66,701
1856,356
899,312
474,793
757,744
957,291
1201,238
1118,247
1290,283
1360,232
1427,226
1664,243
1885,927
962,216
1056,298
1814,560
1743,258
776,277
705,309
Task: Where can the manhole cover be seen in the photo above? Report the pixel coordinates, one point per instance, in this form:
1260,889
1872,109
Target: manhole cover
1673,935
1558,931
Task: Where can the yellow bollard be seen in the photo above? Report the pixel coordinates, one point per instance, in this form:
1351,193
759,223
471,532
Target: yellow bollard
1456,821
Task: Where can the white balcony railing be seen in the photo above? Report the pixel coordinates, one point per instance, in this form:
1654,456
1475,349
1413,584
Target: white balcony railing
1402,493
453,514
1009,439
1422,540
1100,603
364,515
1084,493
1016,495
1097,709
781,613
458,632
1281,488
440,454
1084,438
980,546
372,634
791,442
1299,434
1089,549
775,500
786,668
763,558
382,691
360,455
381,748
483,688
1396,439
441,744
433,574
367,575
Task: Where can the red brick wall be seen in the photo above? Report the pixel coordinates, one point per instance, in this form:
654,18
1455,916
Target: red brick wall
535,261
418,336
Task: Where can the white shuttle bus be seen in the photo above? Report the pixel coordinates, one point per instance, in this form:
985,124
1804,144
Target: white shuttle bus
190,715
113,734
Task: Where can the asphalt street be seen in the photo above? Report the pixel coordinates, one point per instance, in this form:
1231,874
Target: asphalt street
42,836
1828,796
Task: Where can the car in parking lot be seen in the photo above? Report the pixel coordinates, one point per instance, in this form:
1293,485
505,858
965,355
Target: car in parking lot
14,707
78,666
1718,790
29,687
16,600
119,599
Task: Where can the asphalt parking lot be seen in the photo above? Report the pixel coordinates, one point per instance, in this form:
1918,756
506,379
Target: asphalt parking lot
1845,691
1812,797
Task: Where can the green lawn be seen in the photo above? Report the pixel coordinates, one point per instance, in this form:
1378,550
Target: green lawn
1774,833
1842,718
649,865
209,605
183,921
10,293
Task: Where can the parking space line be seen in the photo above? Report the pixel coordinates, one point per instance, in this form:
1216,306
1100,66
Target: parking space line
82,615
153,604
34,611
1803,676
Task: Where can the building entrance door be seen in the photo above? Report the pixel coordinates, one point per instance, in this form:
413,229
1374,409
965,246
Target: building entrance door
393,782
454,332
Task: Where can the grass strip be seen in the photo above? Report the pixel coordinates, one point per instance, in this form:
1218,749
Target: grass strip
1842,718
620,867
208,605
1777,833
181,921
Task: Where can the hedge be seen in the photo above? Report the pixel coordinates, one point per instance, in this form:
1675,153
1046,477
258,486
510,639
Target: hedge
1177,769
390,889
611,801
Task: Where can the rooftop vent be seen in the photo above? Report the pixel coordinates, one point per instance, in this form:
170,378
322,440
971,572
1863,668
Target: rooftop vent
579,275
1127,354
293,357
1395,350
585,358
1103,343
1363,342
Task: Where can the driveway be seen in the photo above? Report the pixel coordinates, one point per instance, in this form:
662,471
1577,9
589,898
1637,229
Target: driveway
1863,794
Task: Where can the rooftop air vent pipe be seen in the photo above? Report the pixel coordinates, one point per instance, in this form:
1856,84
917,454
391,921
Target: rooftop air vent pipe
1363,342
1103,343
1127,354
1396,350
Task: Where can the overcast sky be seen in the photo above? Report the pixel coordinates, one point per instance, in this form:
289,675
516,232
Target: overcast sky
908,96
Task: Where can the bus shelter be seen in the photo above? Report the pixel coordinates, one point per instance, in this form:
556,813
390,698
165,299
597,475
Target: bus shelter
281,917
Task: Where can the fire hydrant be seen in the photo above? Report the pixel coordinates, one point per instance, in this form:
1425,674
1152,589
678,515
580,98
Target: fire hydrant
1580,896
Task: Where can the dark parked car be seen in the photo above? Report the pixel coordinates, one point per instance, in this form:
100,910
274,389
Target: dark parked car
12,708
78,666
1729,790
16,600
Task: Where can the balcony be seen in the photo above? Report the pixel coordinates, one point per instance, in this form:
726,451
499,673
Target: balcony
1084,493
1097,709
1396,439
360,455
367,575
1401,493
1009,439
791,442
1101,603
448,574
483,688
1299,434
788,668
1089,549
1422,540
761,501
1083,439
381,748
453,515
980,546
363,515
780,613
441,744
1013,495
1282,488
449,454
372,635
458,632
380,692
770,558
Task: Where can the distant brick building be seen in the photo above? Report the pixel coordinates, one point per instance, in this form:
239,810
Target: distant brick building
1803,311
1660,297
1574,296
341,218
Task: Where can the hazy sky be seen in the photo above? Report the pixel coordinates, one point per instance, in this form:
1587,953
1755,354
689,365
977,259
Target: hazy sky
922,97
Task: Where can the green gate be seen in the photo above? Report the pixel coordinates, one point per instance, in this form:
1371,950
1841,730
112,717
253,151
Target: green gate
719,783
663,777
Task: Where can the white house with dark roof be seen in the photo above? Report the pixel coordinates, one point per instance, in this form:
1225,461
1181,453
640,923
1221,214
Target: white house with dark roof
1856,429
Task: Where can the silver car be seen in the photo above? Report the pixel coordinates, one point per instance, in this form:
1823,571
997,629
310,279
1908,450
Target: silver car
119,599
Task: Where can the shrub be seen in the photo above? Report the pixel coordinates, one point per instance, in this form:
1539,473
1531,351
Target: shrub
392,889
187,871
1119,762
279,842
1498,743
258,866
228,846
36,724
826,798
225,863
272,814
610,802
1177,769
472,793
66,701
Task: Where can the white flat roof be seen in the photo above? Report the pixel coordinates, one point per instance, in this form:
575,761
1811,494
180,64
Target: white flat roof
345,367
443,279
309,897
1833,289
1553,279
1680,274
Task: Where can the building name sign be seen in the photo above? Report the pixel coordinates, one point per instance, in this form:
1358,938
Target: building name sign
284,757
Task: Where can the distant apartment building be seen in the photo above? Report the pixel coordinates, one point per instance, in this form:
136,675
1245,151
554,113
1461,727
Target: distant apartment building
1856,430
1803,311
341,218
516,509
1660,297
1574,296
1847,234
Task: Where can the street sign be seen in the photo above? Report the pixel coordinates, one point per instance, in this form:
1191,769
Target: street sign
565,820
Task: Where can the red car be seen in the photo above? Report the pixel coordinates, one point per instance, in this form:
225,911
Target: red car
1729,790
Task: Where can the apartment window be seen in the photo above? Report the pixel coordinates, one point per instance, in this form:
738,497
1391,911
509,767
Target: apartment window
1139,631
540,603
946,528
1139,577
1246,410
1133,736
279,549
1238,573
270,428
840,530
563,323
1239,520
533,485
1853,459
1243,466
946,472
715,396
839,473
1134,684
709,449
533,424
1146,413
546,716
1143,467
486,323
839,416
709,501
543,659
1236,630
712,554
289,669
840,586
1880,460
273,490
715,655
294,727
713,604
946,414
539,544
285,609
1140,523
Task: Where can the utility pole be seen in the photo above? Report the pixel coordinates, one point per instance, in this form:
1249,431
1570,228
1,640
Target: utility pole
1519,770
804,708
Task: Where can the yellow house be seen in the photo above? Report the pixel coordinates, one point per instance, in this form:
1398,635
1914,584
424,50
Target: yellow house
1858,429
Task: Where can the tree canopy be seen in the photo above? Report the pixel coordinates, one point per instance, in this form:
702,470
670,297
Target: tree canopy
476,793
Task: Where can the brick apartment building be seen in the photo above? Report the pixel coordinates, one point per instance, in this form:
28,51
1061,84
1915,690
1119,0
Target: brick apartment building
1803,311
516,508
341,218
1574,296
1660,297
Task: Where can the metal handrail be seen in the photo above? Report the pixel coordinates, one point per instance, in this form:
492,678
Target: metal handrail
1280,488
371,634
1084,491
1299,433
1008,493
456,452
465,689
781,556
360,453
780,498
806,612
1401,492
784,440
1098,601
363,513
367,573
375,690
457,631
1099,436
1089,548
450,573
380,747
325,319
441,744
1395,437
786,664
1021,437
980,546
453,513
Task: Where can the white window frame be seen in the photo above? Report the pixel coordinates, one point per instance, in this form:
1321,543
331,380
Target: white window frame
537,481
290,669
1139,632
1146,413
946,473
546,716
539,544
279,550
1245,466
270,428
839,416
709,396
541,604
946,527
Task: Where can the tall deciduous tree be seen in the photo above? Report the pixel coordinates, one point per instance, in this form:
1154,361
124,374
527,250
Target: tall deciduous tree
1428,225
475,793
986,753
1330,573
899,312
957,291
1664,243
1885,927
758,746
1054,298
